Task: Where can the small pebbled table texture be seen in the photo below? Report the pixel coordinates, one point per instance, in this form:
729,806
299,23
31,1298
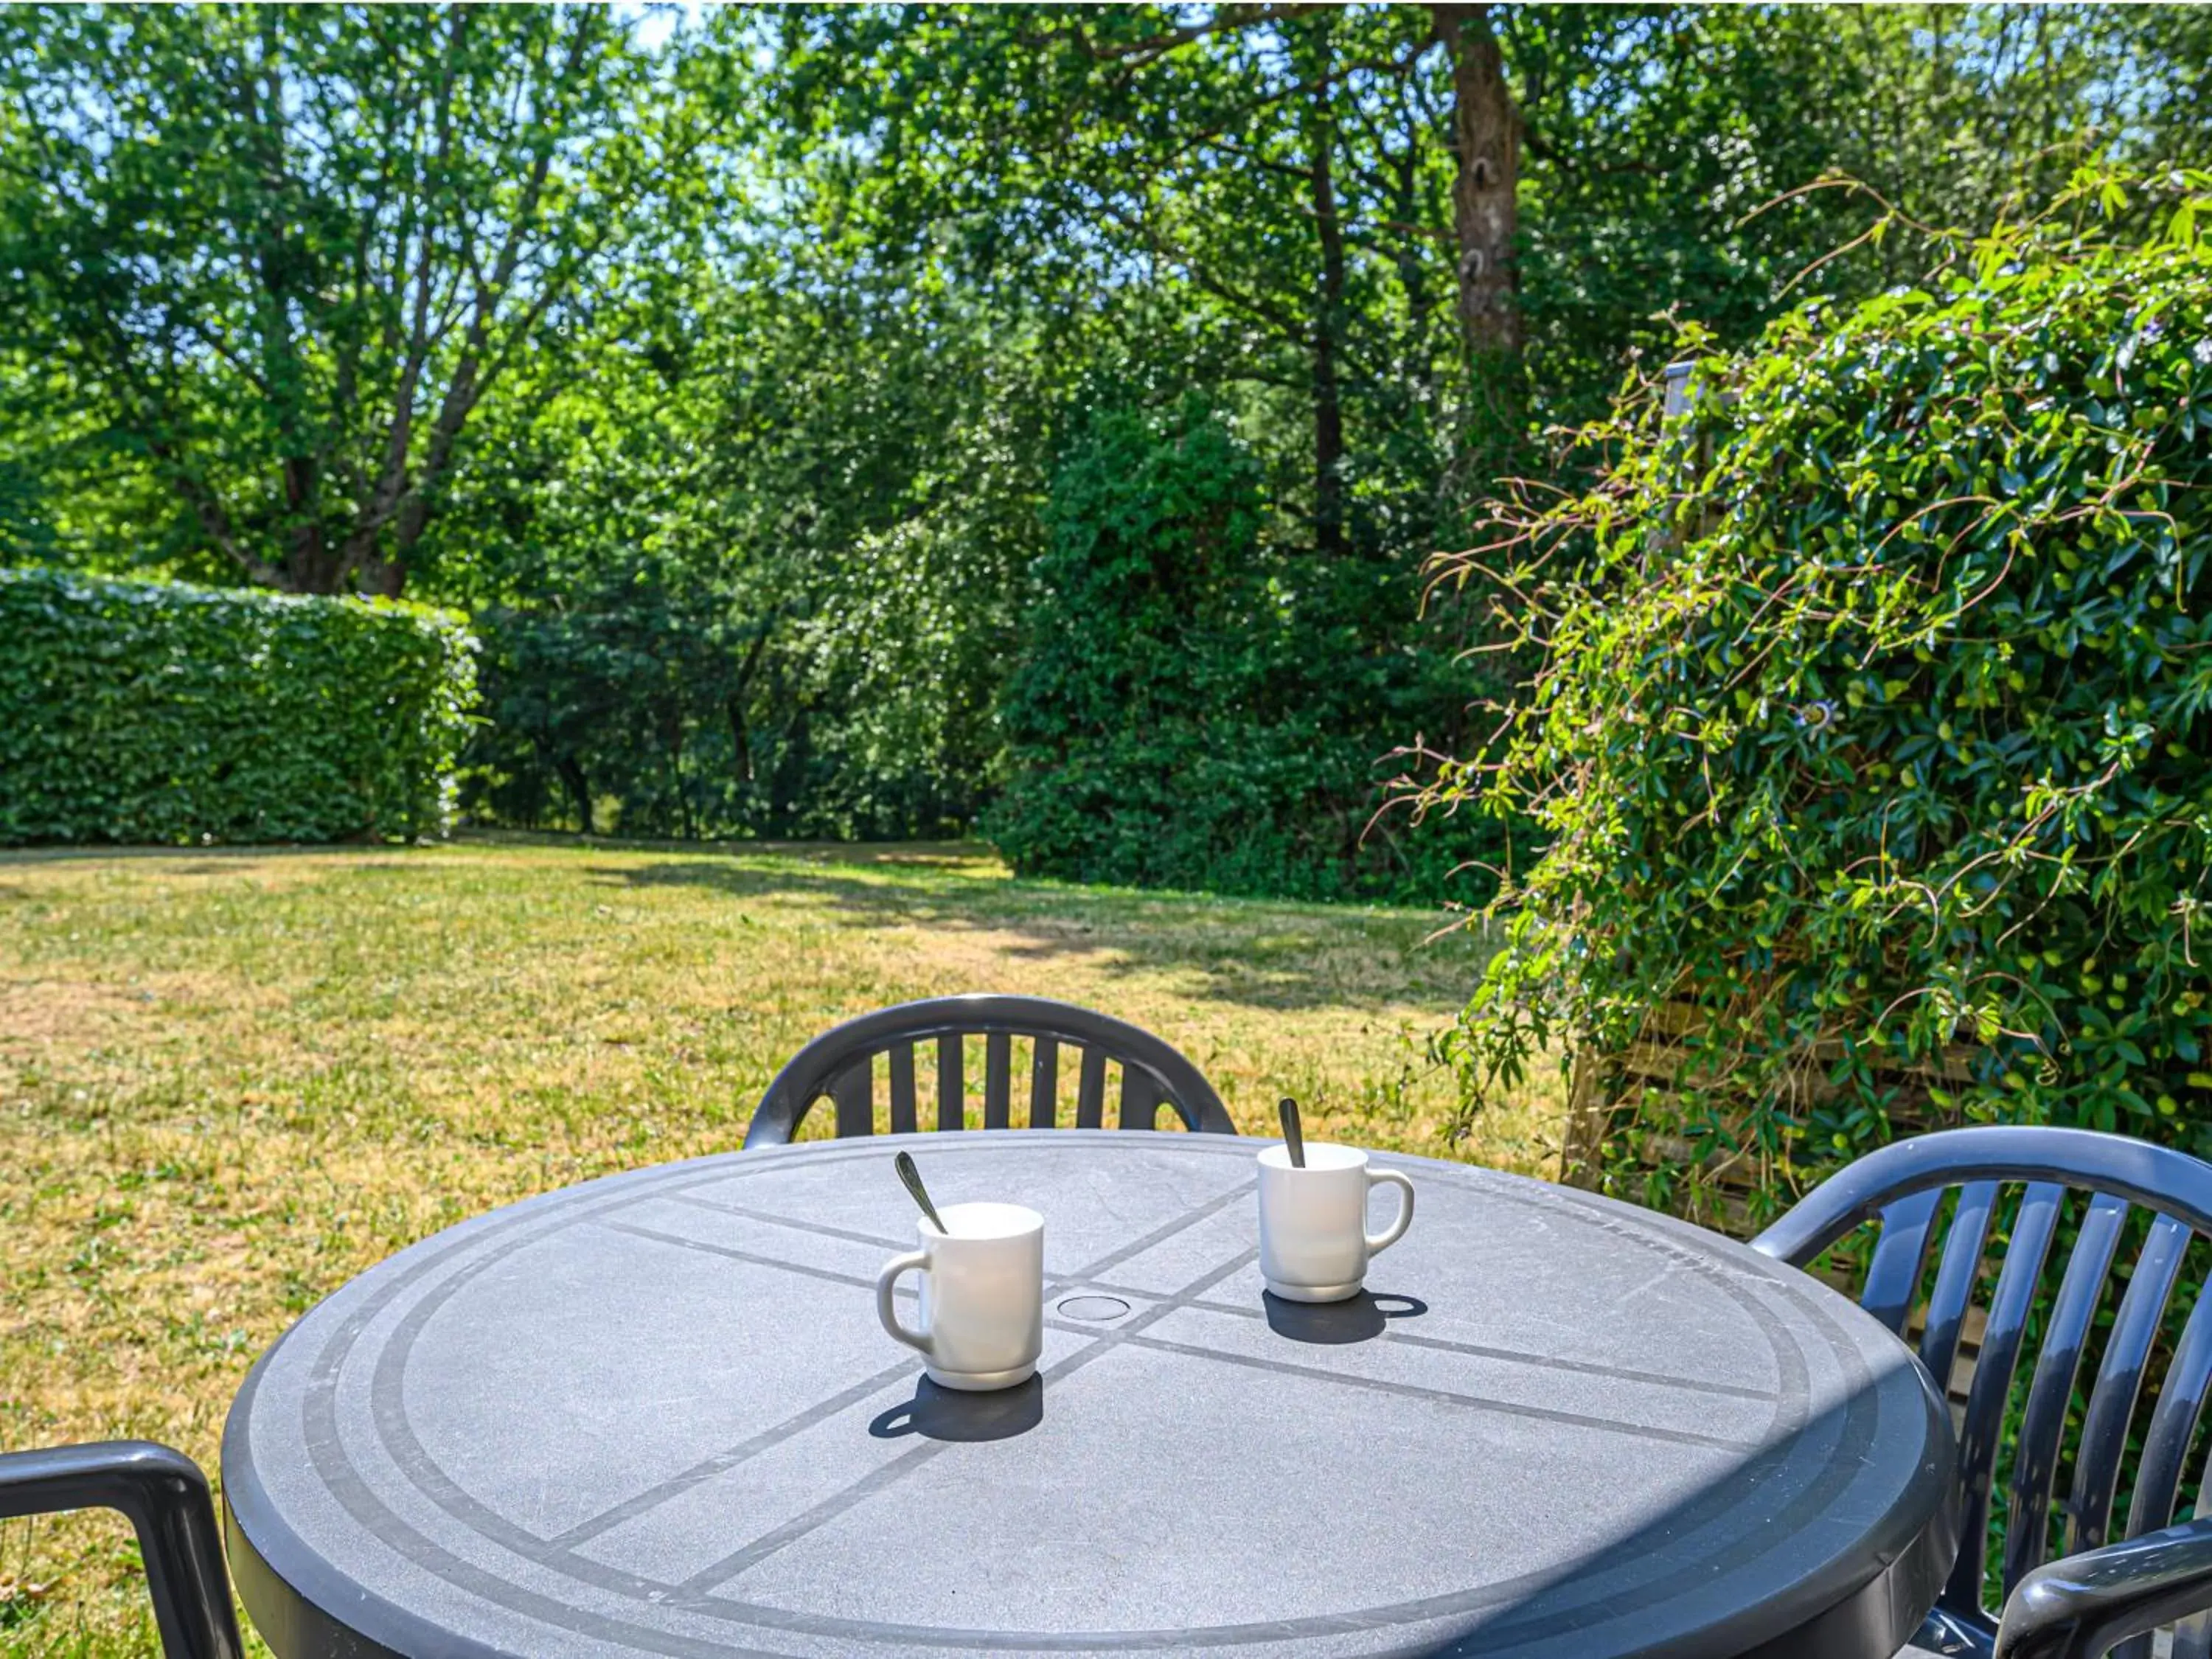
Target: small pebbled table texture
655,1414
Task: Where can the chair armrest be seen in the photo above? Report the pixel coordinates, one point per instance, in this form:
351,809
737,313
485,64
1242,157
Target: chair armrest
2081,1607
165,1498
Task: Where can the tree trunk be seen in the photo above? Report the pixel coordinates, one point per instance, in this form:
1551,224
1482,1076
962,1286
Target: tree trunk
579,789
741,733
309,568
1487,139
386,579
1328,313
741,739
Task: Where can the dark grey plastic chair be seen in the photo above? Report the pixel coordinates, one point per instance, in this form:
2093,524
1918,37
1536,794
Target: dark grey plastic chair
840,1064
167,1500
2096,1593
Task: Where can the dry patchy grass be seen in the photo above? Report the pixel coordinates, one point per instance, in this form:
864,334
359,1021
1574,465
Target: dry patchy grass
230,1081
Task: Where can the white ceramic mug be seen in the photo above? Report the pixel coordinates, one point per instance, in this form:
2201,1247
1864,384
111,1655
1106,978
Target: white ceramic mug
1314,1242
982,1295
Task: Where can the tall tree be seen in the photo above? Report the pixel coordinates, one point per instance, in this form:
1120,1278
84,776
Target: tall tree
287,253
1487,179
1277,166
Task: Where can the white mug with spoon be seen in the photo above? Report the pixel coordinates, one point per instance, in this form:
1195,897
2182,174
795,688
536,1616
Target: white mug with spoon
982,1290
1314,1242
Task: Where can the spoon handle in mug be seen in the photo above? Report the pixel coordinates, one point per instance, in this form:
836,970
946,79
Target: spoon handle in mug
912,1178
1293,1135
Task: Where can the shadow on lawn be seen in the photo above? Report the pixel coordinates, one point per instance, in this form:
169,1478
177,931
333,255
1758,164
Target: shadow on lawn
1257,955
223,858
958,856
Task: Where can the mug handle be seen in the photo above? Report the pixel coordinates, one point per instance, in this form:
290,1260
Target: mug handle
912,1261
1377,1242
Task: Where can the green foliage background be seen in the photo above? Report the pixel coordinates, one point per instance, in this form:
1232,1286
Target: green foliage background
134,711
732,586
1193,707
742,372
1873,721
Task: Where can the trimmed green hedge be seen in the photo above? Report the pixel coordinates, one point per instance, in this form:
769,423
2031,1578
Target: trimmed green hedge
134,711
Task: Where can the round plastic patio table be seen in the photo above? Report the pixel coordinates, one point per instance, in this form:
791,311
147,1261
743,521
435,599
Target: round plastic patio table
656,1414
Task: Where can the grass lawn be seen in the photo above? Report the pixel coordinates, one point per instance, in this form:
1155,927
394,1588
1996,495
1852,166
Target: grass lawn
231,1080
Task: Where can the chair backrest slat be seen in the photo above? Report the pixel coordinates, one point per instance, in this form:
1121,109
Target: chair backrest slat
1955,1279
839,1064
853,1089
1893,1276
2173,1424
2119,1385
998,1081
2035,1458
1141,1100
902,1115
1044,1083
1091,1091
2032,1227
951,1085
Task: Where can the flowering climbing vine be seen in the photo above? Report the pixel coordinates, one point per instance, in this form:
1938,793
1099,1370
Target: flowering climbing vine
1869,729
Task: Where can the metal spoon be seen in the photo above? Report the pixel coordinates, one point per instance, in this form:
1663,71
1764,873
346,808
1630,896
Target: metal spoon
912,1178
1293,1138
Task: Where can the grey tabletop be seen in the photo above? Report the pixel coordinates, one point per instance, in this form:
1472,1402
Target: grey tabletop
655,1414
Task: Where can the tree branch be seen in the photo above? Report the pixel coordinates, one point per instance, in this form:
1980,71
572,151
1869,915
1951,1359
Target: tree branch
372,515
1153,46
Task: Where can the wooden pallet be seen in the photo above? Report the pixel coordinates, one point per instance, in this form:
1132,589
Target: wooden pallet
1610,1090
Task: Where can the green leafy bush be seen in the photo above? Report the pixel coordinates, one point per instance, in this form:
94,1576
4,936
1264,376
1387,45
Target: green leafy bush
155,712
698,706
1872,722
1196,704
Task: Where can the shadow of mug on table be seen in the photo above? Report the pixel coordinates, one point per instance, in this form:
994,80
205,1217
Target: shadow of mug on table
1360,1318
936,1412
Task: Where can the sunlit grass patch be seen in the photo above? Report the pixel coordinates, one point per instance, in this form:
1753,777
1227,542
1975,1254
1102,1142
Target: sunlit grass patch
230,1081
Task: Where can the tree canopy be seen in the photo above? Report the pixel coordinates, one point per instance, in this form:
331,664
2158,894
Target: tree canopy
278,258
